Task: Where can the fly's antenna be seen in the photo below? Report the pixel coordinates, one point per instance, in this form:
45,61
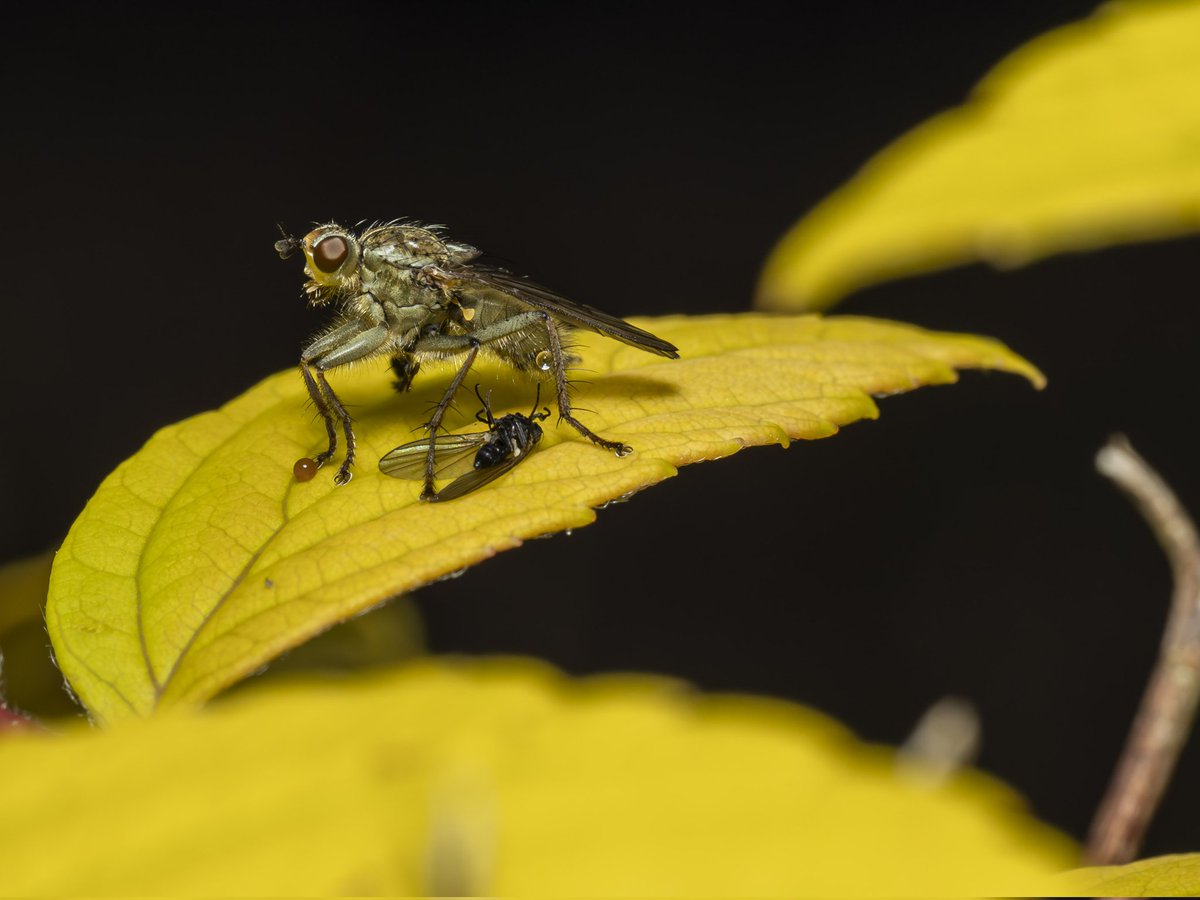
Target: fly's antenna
288,245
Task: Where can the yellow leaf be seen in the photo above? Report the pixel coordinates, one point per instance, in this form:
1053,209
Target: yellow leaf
1162,876
201,558
384,637
1085,137
501,778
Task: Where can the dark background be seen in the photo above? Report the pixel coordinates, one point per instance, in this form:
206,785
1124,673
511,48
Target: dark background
642,159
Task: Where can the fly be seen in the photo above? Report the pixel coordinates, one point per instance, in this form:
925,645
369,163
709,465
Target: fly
477,458
408,292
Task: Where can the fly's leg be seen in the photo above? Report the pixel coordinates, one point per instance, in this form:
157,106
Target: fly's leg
343,345
318,399
315,350
563,396
484,415
405,368
435,421
335,406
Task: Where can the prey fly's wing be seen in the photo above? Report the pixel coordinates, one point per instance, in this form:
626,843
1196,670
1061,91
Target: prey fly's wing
453,455
476,478
463,278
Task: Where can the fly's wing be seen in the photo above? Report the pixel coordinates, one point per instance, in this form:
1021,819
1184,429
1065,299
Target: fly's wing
476,478
453,455
537,297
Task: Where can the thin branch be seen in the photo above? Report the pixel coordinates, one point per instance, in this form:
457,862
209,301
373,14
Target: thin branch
1168,707
945,739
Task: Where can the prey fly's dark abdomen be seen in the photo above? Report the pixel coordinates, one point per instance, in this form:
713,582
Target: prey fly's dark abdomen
510,436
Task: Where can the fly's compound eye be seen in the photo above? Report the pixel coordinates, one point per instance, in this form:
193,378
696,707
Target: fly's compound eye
329,253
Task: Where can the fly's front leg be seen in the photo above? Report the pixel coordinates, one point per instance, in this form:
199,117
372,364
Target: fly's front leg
318,399
345,344
334,404
324,344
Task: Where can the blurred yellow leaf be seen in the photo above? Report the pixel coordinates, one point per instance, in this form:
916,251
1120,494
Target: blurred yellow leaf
1087,136
1162,876
201,558
383,637
501,778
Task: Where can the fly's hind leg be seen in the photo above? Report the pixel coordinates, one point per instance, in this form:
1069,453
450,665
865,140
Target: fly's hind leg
562,395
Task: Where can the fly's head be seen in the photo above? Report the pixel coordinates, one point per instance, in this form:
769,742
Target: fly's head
331,257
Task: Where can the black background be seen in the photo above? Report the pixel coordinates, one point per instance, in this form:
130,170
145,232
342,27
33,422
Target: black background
643,159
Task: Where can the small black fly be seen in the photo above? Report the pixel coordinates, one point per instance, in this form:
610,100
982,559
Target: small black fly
474,459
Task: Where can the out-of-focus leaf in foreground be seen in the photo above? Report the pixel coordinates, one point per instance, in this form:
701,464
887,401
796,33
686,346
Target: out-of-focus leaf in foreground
1162,876
501,779
1087,136
201,558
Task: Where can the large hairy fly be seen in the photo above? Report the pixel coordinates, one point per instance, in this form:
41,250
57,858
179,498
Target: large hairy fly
472,459
408,292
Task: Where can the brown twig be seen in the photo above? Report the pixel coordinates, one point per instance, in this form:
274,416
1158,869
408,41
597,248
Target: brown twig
1168,707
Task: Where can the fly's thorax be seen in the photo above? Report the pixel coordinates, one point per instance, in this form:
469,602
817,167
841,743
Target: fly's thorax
404,246
410,319
398,285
